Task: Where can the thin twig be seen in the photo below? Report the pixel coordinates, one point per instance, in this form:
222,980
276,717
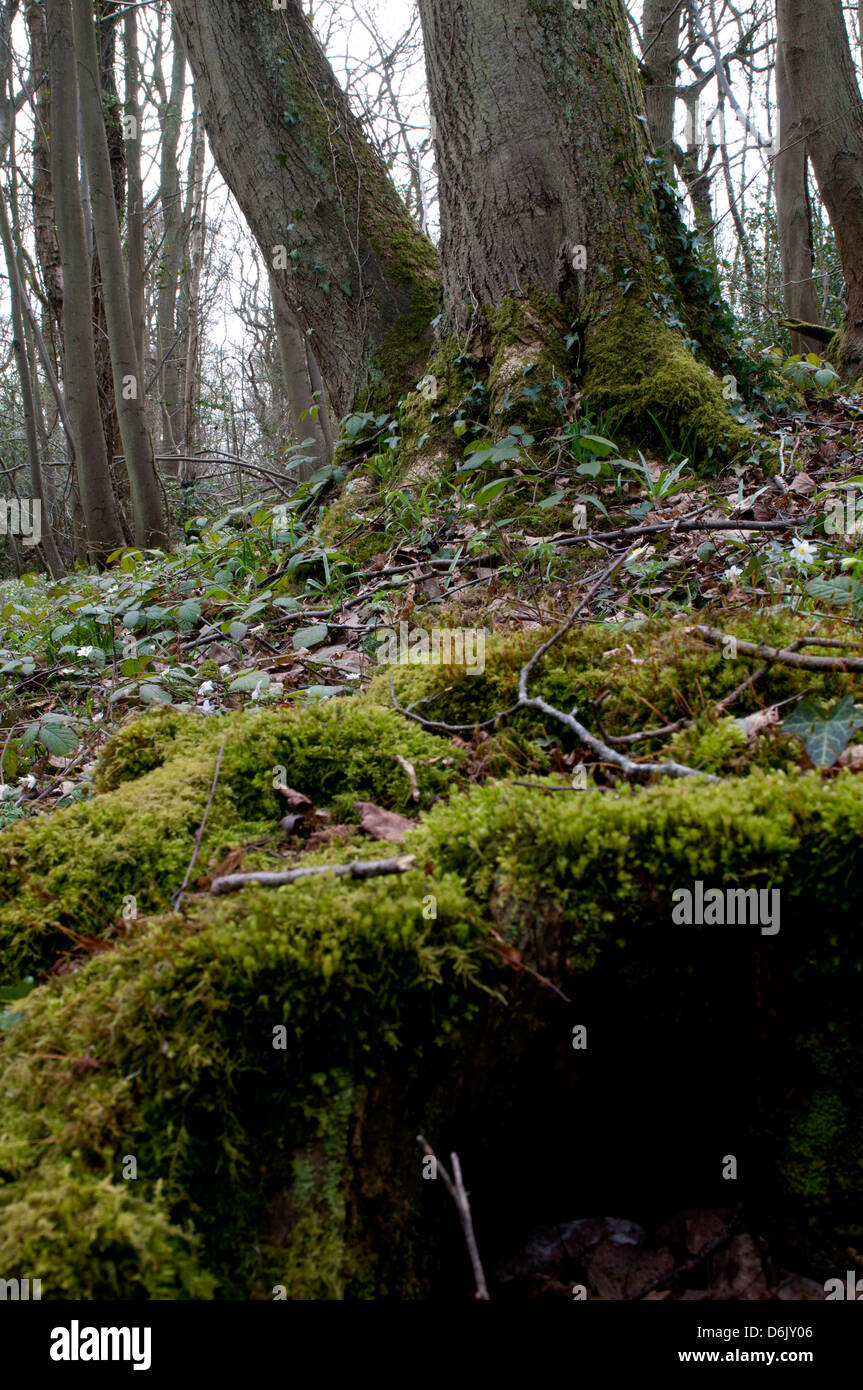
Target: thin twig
199,834
525,701
358,869
456,1189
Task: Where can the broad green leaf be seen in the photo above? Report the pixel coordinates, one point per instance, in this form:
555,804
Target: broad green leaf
310,636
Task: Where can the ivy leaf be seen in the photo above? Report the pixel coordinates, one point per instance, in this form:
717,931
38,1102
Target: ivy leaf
249,680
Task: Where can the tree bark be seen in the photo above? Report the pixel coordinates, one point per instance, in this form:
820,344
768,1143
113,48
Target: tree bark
660,63
149,527
297,383
826,97
44,230
356,271
103,527
550,214
168,333
135,252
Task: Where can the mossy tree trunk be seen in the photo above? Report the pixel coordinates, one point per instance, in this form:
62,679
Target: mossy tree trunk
354,268
549,202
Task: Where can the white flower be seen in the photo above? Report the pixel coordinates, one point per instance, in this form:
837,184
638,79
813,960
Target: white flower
205,688
98,717
224,670
86,651
732,574
206,707
259,691
28,781
804,552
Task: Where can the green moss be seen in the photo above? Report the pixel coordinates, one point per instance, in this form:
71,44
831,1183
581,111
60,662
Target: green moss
650,387
129,848
631,679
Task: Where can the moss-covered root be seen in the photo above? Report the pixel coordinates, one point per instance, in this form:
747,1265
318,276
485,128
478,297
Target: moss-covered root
642,377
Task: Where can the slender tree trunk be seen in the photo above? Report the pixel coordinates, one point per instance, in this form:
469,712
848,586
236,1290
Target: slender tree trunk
793,214
194,221
345,252
550,218
297,384
48,544
135,199
149,528
44,230
168,333
103,527
826,98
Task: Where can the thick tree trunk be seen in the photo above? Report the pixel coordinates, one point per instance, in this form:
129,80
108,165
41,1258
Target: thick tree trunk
826,97
194,219
660,62
349,259
549,214
103,527
149,528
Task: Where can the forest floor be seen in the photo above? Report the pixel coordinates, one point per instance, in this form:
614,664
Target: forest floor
706,623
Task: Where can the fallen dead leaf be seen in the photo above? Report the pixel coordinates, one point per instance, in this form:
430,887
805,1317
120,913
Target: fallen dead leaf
381,824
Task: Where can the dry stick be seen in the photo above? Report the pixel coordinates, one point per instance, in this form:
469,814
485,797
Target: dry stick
524,701
678,527
199,834
456,1189
785,658
358,869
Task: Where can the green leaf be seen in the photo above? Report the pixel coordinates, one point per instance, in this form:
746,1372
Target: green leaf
310,636
237,631
250,680
154,694
58,739
189,613
490,491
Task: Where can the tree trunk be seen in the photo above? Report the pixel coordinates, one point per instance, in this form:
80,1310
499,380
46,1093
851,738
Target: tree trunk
660,61
793,213
149,528
349,259
826,98
44,230
550,217
297,383
195,220
168,334
103,527
135,200
47,542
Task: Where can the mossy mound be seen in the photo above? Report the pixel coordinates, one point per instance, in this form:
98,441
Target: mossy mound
129,847
267,1059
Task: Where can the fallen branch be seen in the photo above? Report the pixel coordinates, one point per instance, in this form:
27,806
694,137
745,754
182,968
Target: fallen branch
678,527
358,869
718,638
456,1189
525,701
